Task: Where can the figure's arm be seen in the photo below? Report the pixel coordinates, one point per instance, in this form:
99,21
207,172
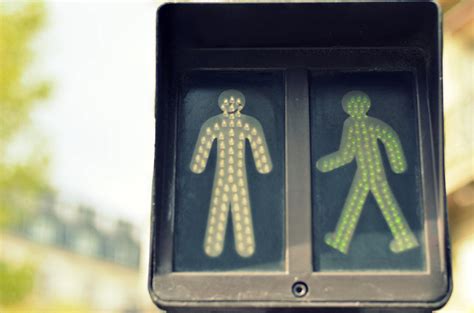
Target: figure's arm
393,146
258,143
206,137
344,155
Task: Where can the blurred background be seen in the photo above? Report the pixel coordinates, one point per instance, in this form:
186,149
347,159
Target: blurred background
76,153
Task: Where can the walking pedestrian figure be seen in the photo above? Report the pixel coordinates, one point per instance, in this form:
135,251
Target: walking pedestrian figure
359,140
230,188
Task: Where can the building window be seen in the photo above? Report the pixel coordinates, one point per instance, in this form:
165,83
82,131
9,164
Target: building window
43,230
86,243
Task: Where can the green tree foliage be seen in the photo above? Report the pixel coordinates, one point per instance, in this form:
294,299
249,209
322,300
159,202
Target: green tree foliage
23,179
15,282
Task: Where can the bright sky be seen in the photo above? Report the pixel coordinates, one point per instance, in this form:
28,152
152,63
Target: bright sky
99,121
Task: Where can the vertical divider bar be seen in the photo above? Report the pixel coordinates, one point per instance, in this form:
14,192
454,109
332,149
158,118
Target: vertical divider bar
298,173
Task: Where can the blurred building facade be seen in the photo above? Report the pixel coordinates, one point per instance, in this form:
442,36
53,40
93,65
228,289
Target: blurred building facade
80,259
459,146
459,94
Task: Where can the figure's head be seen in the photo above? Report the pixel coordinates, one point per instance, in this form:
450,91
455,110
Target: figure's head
356,103
231,101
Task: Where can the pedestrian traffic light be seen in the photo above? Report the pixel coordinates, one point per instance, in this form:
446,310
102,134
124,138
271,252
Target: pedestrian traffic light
299,157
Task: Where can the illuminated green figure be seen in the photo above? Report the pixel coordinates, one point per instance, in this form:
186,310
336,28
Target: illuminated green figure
230,189
359,140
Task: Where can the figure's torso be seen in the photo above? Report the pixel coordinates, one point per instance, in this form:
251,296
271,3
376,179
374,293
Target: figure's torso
231,133
367,151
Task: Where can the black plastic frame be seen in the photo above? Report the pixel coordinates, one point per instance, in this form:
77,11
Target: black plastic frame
365,36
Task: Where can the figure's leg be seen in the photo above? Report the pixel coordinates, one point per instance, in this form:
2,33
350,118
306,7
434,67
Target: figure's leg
342,236
217,222
242,221
404,239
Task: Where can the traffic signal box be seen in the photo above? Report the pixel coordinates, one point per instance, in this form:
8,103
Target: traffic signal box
299,157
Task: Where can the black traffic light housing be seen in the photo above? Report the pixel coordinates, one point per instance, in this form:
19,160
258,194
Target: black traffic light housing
298,55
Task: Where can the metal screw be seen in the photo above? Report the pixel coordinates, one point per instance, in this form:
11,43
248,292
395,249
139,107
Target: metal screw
299,289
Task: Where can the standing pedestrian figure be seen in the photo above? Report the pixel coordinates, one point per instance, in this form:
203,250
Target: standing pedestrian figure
230,188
